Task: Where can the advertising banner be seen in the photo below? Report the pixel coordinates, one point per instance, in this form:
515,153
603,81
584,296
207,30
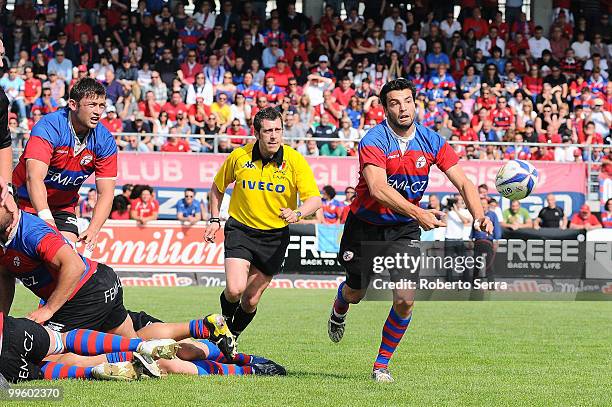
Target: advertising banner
171,173
169,246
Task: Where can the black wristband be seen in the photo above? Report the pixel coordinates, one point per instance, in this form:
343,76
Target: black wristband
214,220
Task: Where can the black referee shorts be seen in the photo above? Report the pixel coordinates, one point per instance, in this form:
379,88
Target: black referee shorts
356,232
265,249
24,345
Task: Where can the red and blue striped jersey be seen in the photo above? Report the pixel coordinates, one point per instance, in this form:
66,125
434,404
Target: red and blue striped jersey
407,173
29,252
53,142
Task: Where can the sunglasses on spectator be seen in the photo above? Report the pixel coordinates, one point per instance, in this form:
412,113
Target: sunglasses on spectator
189,196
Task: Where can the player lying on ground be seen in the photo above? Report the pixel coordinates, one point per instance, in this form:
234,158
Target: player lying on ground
25,347
194,357
76,292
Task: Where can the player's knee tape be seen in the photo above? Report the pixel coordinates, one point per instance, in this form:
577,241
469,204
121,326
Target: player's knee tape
59,344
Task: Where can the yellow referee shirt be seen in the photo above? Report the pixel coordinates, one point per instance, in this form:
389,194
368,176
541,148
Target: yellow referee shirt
261,190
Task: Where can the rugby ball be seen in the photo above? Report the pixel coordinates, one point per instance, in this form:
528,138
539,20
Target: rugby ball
516,179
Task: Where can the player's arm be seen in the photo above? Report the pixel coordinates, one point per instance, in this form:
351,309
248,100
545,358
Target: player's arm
383,193
471,197
70,268
7,290
6,161
36,171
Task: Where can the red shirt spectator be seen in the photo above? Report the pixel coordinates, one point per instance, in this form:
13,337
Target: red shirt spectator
281,73
190,68
549,138
201,114
534,85
148,108
502,116
111,121
144,209
175,145
376,113
466,133
175,106
585,219
237,130
344,92
292,51
75,29
476,23
32,89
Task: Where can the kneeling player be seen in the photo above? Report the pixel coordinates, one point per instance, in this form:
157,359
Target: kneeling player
25,346
78,292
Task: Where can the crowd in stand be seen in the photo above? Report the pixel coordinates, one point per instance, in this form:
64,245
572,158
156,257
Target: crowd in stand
137,202
480,76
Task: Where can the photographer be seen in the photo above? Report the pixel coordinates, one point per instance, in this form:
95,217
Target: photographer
458,229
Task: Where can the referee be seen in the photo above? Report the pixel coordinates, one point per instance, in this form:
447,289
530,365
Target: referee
6,153
268,177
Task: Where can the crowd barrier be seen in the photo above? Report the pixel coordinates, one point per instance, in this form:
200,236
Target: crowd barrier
171,254
170,173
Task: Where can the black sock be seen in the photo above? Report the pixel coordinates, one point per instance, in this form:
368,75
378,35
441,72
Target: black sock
228,309
241,320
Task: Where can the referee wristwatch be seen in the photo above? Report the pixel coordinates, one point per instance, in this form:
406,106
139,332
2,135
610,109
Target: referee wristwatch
298,214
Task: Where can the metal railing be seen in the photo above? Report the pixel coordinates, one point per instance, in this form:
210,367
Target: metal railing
592,166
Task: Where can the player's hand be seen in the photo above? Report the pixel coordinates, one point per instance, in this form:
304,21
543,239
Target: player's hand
428,219
288,215
211,231
90,238
41,315
484,224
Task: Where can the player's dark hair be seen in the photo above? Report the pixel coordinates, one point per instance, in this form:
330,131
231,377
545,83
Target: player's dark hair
396,84
120,204
267,113
329,190
86,87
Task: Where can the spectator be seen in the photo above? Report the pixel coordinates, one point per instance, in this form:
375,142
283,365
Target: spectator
331,210
310,148
111,121
134,143
516,217
458,219
333,148
86,206
349,197
120,209
188,209
606,214
537,43
145,208
222,110
175,106
584,219
497,230
46,103
175,144
236,129
551,216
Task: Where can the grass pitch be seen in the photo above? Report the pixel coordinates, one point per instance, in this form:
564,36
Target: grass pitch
454,353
